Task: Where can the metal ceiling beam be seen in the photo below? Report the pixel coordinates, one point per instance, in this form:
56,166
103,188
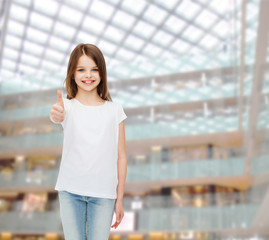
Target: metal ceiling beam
136,52
23,39
176,36
97,35
127,32
242,63
67,52
48,39
188,23
5,9
160,27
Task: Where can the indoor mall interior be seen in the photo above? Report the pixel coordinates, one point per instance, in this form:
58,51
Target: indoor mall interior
193,79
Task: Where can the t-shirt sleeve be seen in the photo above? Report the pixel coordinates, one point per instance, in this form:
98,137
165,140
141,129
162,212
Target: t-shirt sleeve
120,113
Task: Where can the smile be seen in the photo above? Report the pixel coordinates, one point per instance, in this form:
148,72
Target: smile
88,82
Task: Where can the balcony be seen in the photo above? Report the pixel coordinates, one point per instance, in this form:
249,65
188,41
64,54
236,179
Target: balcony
154,213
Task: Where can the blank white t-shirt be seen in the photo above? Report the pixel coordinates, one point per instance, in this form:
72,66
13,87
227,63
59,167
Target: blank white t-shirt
90,149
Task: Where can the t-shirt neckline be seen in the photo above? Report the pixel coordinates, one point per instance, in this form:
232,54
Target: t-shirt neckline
89,105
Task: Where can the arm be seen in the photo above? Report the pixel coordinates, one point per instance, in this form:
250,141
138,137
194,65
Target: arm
122,162
122,172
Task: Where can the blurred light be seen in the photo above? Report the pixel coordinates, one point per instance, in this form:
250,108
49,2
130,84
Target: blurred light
136,204
152,114
204,79
169,117
154,235
156,148
205,110
20,158
168,87
198,202
186,235
153,83
140,157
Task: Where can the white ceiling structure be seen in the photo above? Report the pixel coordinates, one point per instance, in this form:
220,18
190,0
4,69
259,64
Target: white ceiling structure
138,38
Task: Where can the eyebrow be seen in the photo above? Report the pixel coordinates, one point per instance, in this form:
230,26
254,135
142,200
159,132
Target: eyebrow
83,67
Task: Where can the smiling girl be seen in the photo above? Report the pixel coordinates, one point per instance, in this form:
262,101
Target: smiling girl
93,168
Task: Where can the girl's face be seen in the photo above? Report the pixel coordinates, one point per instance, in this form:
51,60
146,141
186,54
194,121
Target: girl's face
86,74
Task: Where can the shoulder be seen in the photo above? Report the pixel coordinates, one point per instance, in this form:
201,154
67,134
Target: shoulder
112,104
67,101
115,105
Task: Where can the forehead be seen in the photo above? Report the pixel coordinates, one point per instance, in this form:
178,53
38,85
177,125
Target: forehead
86,61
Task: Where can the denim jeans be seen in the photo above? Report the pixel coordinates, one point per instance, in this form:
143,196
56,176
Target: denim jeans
85,217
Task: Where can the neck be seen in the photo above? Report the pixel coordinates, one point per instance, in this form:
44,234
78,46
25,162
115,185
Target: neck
88,97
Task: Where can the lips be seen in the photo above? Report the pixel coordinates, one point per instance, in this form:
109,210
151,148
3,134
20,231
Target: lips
88,82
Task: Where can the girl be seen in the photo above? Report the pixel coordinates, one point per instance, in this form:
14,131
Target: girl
93,168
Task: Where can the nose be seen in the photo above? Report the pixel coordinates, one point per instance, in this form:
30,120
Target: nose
88,73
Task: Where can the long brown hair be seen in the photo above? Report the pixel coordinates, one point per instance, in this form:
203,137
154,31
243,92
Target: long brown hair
96,55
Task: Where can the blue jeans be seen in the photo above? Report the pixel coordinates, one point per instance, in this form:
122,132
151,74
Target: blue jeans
85,217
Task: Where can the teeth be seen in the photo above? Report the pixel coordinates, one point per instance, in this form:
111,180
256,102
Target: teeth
88,81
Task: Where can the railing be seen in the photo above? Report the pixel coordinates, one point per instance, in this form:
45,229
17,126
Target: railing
173,128
30,222
181,92
186,155
207,218
153,171
260,164
143,172
154,219
134,132
254,196
186,170
154,213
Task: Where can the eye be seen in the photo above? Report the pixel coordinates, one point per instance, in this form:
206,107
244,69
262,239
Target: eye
80,70
95,69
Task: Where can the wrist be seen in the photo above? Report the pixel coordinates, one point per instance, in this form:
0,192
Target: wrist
119,199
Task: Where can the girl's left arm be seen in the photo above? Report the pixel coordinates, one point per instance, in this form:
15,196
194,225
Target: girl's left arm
122,162
122,172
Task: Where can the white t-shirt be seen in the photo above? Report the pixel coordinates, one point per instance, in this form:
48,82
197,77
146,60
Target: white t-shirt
90,149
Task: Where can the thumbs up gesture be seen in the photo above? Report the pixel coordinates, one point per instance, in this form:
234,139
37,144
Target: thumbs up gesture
57,112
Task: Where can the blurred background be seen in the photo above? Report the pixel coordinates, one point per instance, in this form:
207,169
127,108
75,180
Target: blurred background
192,77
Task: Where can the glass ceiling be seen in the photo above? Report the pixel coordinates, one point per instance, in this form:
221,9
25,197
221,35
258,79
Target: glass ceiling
147,38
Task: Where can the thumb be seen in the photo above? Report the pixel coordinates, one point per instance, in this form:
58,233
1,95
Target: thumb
60,98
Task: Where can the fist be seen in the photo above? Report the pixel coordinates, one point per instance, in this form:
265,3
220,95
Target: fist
57,112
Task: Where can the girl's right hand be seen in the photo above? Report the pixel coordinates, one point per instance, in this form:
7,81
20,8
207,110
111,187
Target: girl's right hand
57,112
